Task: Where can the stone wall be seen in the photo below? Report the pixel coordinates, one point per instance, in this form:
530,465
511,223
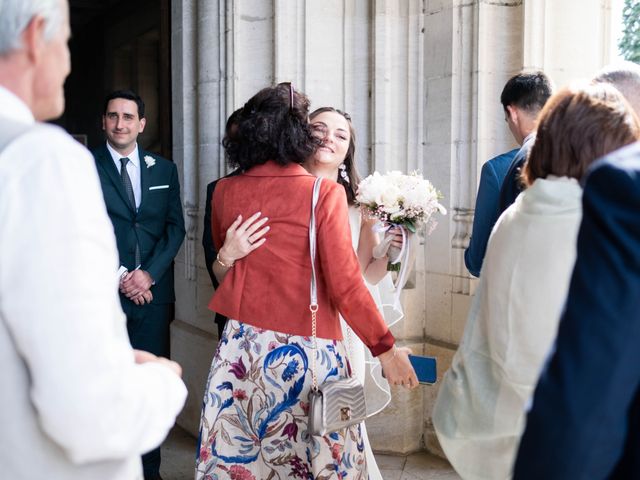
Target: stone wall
422,80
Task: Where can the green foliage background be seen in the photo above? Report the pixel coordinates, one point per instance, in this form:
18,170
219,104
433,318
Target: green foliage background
630,42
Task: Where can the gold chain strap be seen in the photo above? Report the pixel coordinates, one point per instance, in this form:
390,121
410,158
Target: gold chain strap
350,352
314,378
313,305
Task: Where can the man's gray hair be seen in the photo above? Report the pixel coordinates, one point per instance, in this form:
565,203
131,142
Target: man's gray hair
625,77
15,15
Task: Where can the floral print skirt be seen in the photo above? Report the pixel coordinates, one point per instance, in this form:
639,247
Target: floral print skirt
254,414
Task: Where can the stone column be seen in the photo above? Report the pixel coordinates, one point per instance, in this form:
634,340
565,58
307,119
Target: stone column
556,31
289,35
397,117
222,53
336,67
199,112
471,48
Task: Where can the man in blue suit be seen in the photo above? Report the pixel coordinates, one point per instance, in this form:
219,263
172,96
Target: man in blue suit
142,195
485,214
585,418
522,98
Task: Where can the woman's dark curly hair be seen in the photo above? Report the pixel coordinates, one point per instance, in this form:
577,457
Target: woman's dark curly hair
272,125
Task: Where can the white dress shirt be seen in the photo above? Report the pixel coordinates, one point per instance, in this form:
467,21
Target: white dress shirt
133,169
73,402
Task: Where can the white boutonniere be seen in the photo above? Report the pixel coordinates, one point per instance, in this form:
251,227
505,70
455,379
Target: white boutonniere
149,160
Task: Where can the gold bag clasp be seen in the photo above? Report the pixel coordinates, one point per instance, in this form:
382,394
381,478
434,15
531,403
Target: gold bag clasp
345,414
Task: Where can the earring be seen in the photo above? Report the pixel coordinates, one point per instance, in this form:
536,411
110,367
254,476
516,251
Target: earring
343,173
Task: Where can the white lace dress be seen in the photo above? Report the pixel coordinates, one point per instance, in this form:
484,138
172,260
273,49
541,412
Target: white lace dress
365,367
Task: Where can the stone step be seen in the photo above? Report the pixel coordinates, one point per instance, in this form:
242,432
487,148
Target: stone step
420,465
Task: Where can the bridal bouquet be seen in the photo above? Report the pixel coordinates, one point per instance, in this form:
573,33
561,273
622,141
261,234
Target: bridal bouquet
397,199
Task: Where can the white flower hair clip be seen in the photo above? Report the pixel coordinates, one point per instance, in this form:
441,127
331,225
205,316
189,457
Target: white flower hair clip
149,160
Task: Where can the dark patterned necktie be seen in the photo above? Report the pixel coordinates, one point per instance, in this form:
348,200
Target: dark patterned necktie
126,182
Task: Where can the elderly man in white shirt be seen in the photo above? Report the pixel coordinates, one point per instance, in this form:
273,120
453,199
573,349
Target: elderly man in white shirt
76,401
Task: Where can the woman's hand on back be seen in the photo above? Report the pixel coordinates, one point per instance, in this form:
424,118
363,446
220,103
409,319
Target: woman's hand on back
397,368
242,238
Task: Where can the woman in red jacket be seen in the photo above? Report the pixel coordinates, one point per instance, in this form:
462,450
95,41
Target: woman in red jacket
255,411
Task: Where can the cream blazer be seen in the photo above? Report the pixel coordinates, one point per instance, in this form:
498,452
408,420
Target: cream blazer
479,414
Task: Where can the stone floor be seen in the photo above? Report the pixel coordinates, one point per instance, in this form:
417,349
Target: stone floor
178,455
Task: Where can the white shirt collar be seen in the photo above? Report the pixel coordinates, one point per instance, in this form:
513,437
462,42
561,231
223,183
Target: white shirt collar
134,156
529,137
14,108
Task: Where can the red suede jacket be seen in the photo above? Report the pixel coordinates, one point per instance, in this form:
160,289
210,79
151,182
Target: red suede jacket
269,288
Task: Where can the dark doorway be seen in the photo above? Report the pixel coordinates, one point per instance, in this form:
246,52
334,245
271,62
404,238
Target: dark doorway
119,44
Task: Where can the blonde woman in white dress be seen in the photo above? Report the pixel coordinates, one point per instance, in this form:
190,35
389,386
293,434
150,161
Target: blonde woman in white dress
335,160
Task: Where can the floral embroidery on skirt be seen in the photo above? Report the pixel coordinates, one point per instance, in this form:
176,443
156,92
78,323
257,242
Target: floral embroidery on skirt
254,414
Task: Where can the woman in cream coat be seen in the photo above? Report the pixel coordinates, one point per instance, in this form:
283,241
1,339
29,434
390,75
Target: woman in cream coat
480,410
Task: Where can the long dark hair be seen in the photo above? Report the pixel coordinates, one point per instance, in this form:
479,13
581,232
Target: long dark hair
272,125
350,158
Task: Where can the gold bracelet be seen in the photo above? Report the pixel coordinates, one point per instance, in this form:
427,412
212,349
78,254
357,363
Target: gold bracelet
225,265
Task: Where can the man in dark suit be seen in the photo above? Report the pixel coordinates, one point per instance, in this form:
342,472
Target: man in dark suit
485,213
522,98
585,418
210,252
142,195
207,239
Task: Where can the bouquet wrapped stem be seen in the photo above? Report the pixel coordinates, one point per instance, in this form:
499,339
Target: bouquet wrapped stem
386,247
401,259
398,200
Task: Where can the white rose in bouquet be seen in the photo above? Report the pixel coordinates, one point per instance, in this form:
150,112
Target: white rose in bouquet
373,188
390,200
399,199
396,199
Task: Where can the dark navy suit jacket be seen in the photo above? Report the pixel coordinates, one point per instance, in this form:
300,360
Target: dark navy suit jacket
512,186
486,211
209,249
585,419
157,225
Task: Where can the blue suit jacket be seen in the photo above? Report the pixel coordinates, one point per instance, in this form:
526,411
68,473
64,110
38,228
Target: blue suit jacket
486,211
585,419
511,185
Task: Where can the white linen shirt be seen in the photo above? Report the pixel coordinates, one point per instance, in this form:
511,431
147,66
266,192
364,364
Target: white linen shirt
479,414
133,169
73,402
